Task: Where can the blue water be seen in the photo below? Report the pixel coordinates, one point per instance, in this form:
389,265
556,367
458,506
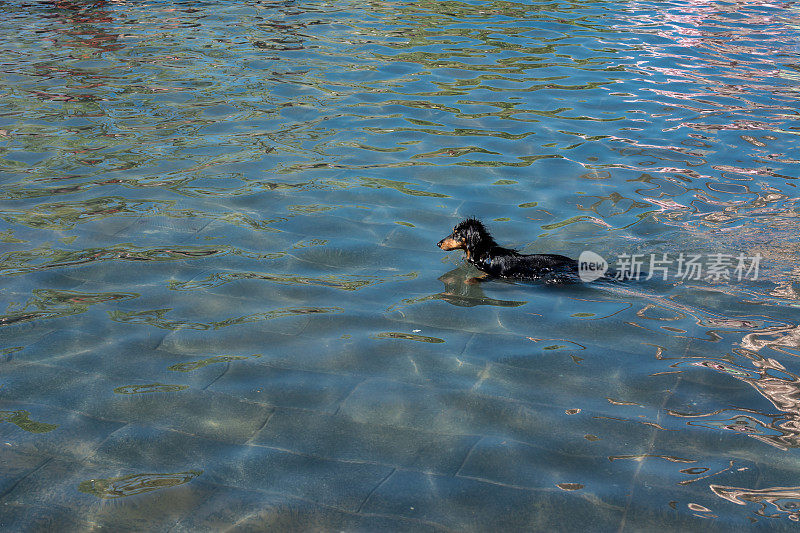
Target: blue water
223,307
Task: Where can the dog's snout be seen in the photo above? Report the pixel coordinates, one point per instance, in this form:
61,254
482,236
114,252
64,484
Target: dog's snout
449,243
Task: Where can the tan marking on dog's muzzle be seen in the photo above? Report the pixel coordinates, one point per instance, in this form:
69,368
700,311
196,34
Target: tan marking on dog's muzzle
449,243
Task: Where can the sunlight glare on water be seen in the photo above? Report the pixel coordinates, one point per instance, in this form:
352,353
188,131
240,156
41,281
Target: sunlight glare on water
222,300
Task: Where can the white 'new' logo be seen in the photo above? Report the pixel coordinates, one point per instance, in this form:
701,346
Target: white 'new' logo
591,266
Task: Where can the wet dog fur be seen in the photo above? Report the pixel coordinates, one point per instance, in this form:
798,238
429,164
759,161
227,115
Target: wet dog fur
495,261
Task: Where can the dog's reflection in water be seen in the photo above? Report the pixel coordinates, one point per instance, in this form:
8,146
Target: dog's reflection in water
460,289
464,290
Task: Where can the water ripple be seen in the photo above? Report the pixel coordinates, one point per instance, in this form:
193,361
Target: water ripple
124,486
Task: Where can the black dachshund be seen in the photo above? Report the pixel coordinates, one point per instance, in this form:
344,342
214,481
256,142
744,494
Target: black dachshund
482,251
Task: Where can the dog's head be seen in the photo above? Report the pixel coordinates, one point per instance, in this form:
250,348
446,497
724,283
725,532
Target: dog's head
468,235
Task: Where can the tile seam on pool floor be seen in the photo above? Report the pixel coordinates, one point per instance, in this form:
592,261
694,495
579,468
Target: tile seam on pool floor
328,506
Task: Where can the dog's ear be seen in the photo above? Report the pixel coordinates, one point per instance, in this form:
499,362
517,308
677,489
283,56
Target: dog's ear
473,238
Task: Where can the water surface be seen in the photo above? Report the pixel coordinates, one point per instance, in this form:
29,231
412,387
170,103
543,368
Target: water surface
223,306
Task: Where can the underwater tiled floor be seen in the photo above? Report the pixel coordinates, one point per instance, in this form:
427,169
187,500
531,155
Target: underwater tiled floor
271,445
